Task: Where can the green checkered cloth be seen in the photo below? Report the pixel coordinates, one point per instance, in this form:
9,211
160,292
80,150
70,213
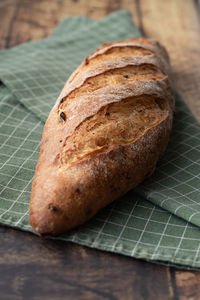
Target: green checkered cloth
159,220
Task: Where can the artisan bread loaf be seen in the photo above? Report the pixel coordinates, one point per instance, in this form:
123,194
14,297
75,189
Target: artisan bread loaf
105,134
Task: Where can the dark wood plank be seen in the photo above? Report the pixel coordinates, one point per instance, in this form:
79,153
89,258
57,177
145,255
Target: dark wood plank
32,268
187,285
35,268
176,24
66,269
7,16
24,20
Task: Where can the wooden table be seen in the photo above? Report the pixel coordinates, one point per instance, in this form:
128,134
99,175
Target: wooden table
33,268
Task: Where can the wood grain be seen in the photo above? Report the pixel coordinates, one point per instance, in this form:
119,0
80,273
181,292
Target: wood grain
32,268
176,25
188,285
174,22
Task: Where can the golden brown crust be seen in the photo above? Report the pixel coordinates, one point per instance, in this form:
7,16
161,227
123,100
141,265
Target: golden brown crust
105,134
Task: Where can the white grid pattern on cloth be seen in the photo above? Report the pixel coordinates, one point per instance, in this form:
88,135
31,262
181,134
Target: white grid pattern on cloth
21,218
42,109
165,188
130,225
44,64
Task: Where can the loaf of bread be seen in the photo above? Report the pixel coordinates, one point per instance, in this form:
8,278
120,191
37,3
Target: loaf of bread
105,134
